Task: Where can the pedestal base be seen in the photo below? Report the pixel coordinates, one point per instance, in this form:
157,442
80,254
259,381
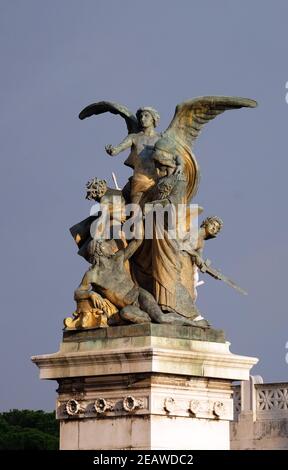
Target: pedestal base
144,387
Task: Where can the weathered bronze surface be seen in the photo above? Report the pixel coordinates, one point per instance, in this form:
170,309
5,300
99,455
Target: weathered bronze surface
149,279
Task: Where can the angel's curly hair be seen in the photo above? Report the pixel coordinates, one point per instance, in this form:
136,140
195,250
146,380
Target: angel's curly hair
155,115
95,189
212,218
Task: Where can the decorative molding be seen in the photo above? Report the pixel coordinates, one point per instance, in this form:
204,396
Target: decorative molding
98,407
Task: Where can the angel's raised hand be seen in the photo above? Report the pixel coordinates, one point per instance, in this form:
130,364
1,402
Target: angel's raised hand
110,150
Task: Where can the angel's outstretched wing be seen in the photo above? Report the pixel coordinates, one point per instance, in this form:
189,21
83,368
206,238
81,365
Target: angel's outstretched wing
114,108
190,116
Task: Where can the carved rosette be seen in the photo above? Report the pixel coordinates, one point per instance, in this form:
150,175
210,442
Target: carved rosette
73,407
169,404
194,407
101,405
219,409
131,403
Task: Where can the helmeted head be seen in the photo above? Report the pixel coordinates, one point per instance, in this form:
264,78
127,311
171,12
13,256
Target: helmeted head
170,149
165,152
145,111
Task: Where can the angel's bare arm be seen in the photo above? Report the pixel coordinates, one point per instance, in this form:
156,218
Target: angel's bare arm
124,145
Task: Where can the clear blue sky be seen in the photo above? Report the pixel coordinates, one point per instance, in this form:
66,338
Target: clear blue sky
57,57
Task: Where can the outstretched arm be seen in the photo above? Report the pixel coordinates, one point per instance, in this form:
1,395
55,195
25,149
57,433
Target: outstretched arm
124,145
131,248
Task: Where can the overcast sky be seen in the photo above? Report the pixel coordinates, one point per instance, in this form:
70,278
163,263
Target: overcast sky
57,56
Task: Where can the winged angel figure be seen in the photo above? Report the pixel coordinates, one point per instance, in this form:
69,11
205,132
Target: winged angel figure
158,266
172,146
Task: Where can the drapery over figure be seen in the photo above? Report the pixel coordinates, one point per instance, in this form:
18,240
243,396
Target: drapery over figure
165,172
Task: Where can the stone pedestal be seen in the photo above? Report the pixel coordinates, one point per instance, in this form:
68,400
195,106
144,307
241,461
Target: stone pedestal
144,387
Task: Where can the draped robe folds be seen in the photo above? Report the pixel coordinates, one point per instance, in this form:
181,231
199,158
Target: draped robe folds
158,265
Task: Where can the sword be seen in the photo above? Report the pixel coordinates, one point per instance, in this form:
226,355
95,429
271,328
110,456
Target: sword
115,180
207,268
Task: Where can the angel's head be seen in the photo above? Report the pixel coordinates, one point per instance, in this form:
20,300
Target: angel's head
212,226
147,117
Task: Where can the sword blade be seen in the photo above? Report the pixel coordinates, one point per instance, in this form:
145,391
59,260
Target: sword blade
233,284
218,275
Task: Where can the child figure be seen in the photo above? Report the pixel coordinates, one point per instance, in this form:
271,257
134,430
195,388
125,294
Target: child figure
109,278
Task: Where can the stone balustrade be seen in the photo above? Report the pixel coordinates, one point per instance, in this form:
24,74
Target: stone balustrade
260,415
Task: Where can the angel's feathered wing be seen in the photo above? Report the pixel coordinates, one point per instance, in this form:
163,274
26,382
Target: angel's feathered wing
190,116
188,120
114,108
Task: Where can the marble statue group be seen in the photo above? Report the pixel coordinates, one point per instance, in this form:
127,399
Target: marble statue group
139,278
